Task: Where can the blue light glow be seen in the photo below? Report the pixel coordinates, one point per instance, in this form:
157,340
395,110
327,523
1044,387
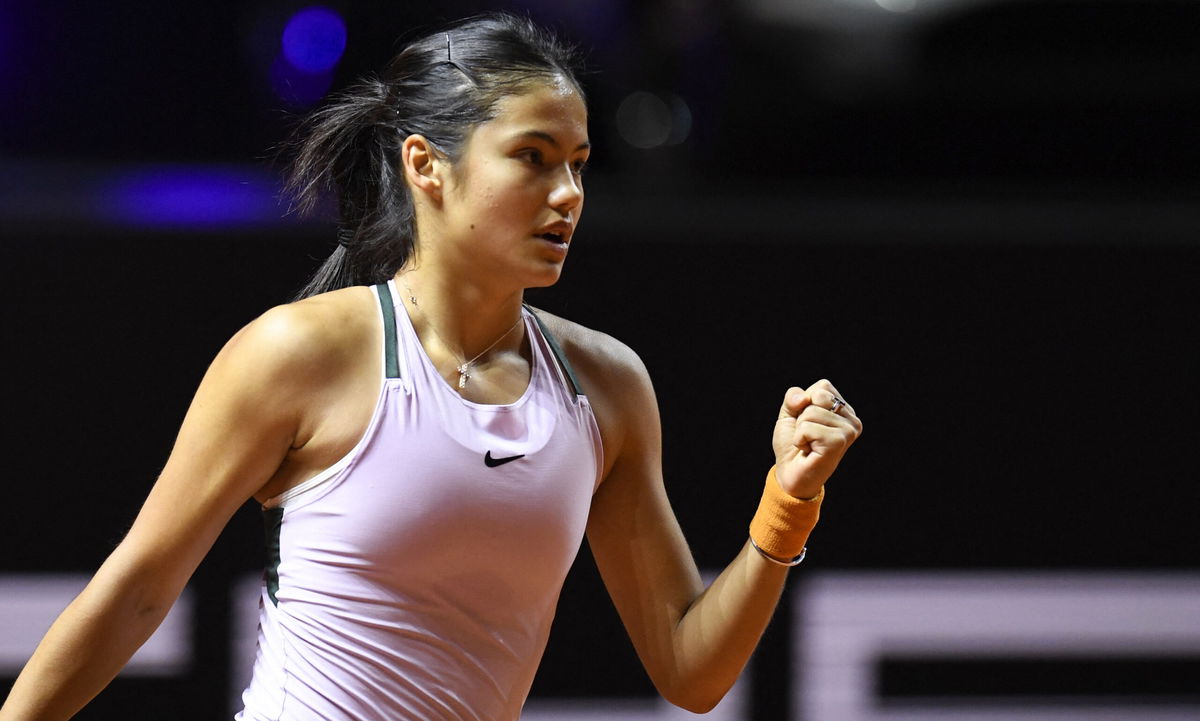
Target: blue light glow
314,40
297,88
200,197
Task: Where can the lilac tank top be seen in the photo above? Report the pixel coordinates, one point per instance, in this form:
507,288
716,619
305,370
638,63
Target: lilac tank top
417,577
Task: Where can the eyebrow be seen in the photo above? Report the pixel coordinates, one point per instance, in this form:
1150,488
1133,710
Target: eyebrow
540,135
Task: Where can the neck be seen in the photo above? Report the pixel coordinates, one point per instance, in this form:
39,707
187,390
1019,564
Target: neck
463,317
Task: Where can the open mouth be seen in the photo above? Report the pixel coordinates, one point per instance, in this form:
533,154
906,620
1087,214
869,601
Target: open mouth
558,238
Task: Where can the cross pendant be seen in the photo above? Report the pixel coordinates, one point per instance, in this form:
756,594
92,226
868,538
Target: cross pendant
463,375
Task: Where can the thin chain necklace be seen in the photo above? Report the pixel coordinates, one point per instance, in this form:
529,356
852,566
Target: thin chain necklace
464,368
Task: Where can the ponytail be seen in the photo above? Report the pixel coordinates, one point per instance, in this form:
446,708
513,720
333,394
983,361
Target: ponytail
351,147
440,86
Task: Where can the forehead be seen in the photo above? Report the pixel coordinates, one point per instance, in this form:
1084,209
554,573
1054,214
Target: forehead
551,106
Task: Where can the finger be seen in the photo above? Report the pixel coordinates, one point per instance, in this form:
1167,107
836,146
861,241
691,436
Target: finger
822,385
820,414
826,395
819,438
822,393
794,402
841,408
843,419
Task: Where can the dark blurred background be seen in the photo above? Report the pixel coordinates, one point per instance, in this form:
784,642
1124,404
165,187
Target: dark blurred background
978,217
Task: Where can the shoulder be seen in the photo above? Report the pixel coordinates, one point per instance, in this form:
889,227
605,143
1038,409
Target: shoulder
617,385
313,330
595,355
302,344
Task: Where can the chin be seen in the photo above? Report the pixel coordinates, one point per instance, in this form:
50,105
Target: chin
544,277
545,282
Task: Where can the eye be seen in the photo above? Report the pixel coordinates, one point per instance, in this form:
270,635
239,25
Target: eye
532,155
579,166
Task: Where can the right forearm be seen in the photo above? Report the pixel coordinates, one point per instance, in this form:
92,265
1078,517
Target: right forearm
85,648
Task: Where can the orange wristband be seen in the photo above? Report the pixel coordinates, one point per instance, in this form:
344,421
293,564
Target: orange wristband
781,524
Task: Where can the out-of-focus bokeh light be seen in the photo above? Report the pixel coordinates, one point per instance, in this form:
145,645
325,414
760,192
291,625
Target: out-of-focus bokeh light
188,197
646,120
296,87
314,40
312,44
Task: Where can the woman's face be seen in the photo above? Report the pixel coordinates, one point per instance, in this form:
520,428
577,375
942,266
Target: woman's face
513,200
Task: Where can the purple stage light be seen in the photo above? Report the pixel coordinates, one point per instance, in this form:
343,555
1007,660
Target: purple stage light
189,197
314,40
297,88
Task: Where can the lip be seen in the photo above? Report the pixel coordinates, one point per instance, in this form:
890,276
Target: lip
561,228
557,250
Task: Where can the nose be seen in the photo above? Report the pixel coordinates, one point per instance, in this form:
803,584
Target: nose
567,193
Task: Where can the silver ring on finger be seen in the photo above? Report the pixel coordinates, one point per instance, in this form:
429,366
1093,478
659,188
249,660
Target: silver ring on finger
837,404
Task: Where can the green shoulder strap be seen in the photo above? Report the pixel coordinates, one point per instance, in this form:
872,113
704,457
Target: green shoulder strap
558,352
391,362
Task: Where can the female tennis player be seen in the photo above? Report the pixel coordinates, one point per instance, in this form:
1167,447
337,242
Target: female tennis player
429,450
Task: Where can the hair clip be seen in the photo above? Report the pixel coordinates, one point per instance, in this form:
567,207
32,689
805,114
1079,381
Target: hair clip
456,66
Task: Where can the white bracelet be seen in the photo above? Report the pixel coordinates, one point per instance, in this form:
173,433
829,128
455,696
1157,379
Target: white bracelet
778,561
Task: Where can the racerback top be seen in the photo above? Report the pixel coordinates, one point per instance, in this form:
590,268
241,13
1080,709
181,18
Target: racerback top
417,577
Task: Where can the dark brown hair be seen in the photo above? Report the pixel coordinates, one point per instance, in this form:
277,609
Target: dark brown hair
440,86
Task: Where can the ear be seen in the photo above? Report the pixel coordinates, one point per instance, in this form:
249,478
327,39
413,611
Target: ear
422,165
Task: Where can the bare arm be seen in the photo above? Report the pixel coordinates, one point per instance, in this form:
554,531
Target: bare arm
241,424
693,641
